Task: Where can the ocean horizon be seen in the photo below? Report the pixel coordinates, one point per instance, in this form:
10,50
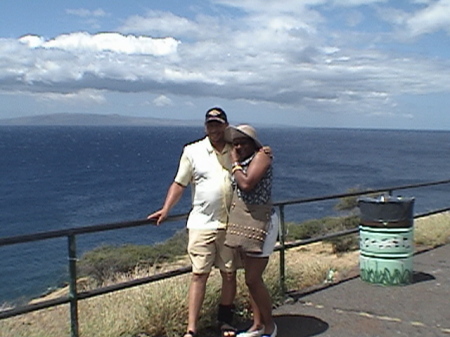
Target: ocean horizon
119,120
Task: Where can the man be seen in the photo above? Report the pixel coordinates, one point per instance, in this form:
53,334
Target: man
206,165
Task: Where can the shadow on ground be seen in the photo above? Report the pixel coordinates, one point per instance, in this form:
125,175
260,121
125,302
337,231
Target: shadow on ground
295,325
422,277
300,325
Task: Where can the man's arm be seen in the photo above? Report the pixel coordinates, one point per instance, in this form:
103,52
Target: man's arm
173,196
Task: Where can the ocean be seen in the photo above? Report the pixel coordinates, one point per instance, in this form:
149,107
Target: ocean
61,177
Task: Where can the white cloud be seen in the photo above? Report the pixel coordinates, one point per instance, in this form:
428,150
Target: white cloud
158,23
426,18
433,18
114,42
352,3
83,96
89,18
33,41
162,100
81,12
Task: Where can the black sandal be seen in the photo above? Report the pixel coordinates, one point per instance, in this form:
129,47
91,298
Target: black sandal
227,330
225,318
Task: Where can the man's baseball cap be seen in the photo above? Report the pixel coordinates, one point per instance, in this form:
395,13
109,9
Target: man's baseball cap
216,115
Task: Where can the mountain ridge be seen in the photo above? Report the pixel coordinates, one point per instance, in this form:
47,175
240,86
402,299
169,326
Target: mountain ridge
81,119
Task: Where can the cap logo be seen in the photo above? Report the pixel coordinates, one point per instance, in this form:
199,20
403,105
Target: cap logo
214,113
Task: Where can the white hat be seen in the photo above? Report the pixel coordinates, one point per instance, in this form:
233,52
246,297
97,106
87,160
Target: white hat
243,130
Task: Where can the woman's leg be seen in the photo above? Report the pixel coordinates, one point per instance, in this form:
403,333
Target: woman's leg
257,318
260,298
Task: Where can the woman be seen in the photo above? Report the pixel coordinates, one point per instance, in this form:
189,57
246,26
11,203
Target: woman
252,180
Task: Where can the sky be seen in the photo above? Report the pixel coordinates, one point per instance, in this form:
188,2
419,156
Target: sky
314,63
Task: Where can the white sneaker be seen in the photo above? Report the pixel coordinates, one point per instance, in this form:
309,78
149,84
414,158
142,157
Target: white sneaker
255,333
273,334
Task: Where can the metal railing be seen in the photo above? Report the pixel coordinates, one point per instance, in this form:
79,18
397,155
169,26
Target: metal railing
71,234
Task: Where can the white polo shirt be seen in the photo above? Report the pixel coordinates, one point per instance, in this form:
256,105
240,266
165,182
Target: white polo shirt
208,172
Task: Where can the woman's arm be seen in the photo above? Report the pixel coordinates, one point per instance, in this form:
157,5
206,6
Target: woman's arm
256,170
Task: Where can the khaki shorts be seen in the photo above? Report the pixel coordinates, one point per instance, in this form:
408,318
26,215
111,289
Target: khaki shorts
206,249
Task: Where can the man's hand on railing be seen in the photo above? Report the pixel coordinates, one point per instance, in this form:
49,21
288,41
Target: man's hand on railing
159,216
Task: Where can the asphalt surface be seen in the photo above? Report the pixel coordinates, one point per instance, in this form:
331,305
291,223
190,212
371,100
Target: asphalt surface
354,308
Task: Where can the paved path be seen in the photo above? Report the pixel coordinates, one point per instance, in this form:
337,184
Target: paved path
354,308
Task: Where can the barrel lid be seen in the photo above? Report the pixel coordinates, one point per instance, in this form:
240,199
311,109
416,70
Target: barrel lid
386,199
386,211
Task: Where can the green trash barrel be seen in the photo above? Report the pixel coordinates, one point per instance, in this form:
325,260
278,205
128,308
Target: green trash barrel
386,240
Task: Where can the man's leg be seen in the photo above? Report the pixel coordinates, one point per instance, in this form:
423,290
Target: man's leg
226,306
228,292
227,261
197,290
201,251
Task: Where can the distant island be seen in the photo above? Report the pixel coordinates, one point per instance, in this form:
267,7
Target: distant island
80,119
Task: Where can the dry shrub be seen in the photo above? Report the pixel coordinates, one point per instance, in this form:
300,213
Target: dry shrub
43,323
309,265
165,307
433,230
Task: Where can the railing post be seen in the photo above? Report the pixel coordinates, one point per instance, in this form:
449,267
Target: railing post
282,235
73,295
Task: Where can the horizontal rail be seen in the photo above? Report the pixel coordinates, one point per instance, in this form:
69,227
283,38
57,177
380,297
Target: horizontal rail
136,223
12,240
70,233
354,194
436,211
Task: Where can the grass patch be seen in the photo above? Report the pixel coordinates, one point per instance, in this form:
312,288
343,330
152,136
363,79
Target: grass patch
433,230
104,263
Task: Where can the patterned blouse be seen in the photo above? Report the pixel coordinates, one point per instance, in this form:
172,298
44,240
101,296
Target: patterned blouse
262,193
